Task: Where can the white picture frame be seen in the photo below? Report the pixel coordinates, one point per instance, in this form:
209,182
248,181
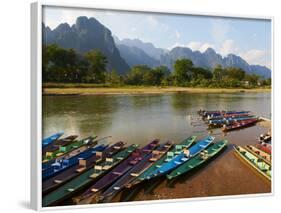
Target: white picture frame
36,102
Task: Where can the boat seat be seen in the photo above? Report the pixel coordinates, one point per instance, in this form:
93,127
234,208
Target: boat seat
117,147
116,188
106,167
117,173
81,169
57,181
94,190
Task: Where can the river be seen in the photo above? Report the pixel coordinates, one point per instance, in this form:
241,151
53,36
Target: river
143,117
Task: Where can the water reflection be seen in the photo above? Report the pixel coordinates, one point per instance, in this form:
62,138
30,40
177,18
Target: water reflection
140,118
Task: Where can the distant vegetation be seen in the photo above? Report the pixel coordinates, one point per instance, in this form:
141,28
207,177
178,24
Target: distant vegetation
67,66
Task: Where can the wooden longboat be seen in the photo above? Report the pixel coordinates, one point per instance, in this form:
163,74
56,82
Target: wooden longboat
89,143
183,157
62,165
136,157
57,143
51,139
135,171
258,164
228,116
82,166
178,148
240,124
264,147
62,150
259,153
198,160
85,179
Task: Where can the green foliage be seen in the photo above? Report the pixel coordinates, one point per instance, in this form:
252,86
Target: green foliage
183,71
61,65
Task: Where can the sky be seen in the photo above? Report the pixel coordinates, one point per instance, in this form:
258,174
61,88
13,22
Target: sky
248,38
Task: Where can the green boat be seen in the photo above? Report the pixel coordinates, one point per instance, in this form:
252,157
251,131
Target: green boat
68,189
62,150
258,164
170,155
198,160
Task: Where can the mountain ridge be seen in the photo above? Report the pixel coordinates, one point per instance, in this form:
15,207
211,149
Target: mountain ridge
88,34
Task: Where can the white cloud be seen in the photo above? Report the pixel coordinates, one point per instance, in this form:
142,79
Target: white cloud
178,35
227,47
255,56
152,21
194,45
219,30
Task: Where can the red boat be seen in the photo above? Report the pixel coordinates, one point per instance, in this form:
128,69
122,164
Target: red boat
239,124
264,147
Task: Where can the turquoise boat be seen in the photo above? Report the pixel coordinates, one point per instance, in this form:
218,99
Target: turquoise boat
198,160
166,158
184,156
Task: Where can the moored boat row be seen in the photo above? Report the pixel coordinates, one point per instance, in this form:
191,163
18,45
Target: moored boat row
114,168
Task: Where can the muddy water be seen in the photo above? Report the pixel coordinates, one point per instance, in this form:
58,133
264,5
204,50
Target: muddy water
141,118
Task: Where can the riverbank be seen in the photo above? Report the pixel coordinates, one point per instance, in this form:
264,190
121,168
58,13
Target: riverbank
142,90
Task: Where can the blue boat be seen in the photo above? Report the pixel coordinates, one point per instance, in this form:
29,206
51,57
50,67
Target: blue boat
230,120
63,164
218,113
51,139
90,141
182,157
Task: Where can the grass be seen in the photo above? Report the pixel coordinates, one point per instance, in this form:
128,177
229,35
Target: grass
86,89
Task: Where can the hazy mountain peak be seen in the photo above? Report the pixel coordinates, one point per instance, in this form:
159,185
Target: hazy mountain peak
85,35
147,47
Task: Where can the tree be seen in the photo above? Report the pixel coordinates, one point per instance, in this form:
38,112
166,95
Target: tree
59,64
252,79
218,73
139,75
235,73
183,71
97,66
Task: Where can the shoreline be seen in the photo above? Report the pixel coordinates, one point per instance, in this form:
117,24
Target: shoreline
143,90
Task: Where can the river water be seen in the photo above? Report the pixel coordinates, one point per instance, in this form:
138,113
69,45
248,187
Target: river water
143,117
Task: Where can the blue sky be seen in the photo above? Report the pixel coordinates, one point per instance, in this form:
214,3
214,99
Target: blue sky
248,38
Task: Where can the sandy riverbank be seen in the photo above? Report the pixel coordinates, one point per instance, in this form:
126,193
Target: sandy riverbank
144,90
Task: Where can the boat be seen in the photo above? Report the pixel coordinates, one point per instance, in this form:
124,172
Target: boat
266,147
198,160
186,143
259,153
85,179
61,165
89,142
57,143
228,116
265,137
62,150
206,114
136,157
82,166
135,171
184,156
51,139
239,124
258,164
229,121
